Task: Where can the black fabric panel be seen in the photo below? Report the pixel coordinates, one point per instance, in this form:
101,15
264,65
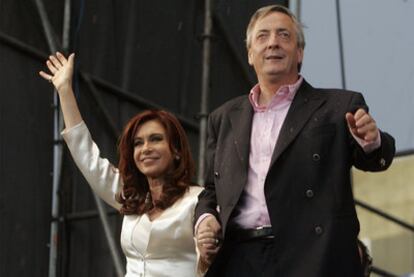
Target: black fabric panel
25,164
151,49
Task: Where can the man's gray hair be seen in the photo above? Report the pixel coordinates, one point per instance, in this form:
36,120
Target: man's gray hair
264,11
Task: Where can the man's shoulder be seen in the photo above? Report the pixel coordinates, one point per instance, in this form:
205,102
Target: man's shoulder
233,103
332,92
336,91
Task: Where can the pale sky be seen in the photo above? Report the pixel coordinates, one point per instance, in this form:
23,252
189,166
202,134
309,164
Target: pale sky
378,47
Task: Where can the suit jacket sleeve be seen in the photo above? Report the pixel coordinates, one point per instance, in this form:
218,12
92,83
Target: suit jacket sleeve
207,201
381,158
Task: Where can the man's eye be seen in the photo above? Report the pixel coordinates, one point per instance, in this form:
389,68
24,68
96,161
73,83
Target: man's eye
284,34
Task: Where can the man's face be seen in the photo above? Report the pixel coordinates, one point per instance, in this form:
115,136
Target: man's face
273,52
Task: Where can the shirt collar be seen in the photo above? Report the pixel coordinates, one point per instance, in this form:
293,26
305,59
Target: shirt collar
285,92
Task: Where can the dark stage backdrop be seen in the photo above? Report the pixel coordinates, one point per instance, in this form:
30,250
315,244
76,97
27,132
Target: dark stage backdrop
150,49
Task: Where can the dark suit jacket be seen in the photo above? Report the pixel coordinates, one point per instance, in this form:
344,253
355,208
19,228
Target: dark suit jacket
308,189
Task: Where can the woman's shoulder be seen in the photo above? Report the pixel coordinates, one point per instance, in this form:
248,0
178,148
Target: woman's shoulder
196,189
186,203
193,191
191,195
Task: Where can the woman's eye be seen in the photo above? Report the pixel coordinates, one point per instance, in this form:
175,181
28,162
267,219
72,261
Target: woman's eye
138,143
156,138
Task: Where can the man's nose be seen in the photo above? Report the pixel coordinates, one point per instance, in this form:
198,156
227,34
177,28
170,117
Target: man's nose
273,41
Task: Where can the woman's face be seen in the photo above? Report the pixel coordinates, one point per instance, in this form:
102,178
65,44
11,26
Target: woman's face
152,153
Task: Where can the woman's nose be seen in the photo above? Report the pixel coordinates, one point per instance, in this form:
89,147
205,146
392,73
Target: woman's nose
146,148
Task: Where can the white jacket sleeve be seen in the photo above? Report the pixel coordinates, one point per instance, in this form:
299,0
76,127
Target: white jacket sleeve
101,175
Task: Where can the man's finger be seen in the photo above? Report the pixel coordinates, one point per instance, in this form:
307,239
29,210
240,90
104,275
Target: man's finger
350,120
359,114
363,120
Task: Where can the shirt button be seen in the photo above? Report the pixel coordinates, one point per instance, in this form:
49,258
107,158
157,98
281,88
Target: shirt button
318,230
316,157
309,193
216,174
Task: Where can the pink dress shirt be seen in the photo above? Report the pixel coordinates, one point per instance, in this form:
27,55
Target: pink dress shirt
267,122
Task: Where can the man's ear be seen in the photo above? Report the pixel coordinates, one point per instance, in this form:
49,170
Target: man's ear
250,57
300,55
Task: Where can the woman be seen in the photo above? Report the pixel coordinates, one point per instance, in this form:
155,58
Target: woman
152,187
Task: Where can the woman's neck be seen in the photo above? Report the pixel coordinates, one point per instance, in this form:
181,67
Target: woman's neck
155,187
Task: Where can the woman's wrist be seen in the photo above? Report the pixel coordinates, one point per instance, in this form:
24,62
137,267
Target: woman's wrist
64,88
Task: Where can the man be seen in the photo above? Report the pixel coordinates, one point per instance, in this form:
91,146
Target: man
278,199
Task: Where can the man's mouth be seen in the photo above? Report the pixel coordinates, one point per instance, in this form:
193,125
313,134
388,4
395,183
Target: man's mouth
274,57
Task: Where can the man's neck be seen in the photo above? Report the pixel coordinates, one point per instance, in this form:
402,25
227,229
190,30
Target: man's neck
268,88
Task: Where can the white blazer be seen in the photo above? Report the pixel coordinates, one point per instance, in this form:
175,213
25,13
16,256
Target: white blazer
162,247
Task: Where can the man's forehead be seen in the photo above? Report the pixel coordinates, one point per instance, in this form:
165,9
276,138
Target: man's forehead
274,18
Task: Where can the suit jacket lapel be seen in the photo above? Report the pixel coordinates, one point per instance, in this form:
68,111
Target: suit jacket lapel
303,106
241,122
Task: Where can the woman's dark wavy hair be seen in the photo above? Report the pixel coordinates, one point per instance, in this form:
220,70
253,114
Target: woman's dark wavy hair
136,188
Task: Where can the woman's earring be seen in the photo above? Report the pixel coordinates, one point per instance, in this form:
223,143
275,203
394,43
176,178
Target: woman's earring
177,157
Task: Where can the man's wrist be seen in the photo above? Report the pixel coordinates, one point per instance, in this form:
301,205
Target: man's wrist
199,220
369,146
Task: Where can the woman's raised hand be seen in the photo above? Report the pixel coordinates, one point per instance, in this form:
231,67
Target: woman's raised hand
61,71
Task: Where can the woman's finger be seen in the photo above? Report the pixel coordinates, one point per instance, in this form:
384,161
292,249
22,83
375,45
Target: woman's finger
45,76
55,61
212,252
51,67
61,58
71,58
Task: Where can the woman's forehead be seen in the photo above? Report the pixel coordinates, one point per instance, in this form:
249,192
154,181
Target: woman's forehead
149,127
